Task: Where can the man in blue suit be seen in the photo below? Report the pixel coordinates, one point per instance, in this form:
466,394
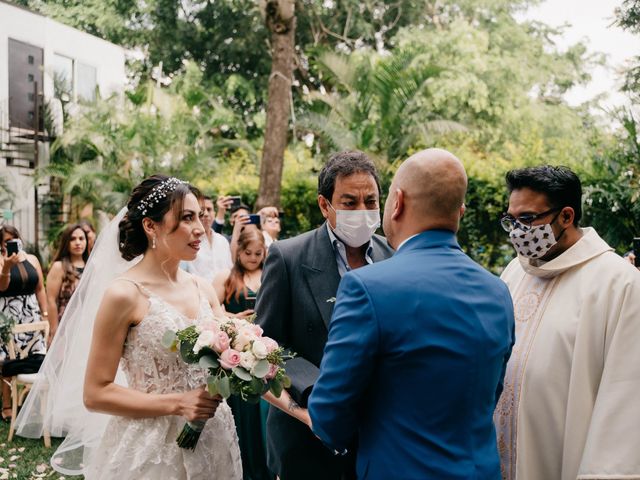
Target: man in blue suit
418,344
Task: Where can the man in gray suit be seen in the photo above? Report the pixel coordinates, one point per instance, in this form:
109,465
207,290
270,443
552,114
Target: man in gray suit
295,303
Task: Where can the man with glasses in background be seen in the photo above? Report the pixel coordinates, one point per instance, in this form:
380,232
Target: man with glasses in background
569,407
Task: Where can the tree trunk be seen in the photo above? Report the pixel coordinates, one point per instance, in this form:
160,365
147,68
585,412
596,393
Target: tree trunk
282,24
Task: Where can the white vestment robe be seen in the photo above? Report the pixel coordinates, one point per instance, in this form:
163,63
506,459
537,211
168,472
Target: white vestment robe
570,408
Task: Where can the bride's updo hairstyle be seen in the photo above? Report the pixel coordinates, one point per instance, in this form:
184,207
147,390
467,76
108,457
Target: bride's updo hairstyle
152,198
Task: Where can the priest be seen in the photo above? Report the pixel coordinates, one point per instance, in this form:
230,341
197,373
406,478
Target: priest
569,408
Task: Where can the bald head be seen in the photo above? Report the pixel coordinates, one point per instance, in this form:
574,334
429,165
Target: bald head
434,183
427,193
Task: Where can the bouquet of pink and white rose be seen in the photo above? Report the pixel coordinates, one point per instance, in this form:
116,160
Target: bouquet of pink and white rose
239,360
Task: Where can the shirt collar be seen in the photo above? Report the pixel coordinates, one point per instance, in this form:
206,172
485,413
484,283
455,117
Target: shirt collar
406,240
340,252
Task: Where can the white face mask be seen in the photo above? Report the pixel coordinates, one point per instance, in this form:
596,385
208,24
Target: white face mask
534,242
356,227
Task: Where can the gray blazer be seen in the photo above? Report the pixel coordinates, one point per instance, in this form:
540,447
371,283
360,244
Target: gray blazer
294,307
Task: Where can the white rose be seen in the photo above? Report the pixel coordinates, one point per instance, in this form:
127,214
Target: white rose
243,339
204,340
247,360
259,349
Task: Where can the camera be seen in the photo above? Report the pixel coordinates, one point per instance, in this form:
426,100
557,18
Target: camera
236,201
13,246
250,303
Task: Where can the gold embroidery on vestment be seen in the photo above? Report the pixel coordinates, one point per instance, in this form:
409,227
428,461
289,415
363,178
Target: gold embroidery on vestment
529,303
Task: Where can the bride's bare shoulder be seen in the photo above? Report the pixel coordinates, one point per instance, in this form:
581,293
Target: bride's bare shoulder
125,294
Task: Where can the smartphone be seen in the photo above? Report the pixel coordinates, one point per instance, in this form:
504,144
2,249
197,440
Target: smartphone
254,219
250,302
236,201
13,246
636,250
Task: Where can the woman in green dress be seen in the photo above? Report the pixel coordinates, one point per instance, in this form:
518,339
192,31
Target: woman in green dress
237,289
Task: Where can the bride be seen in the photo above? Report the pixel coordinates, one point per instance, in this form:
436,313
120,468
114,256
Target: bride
147,390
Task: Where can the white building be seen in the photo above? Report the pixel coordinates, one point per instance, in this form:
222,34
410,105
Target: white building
41,60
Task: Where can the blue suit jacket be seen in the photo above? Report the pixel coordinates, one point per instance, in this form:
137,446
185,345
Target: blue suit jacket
414,364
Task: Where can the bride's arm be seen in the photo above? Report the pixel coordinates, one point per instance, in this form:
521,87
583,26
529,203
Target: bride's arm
121,308
288,405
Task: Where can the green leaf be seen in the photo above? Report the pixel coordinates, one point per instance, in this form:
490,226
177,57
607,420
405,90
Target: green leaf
212,385
252,398
286,382
186,352
168,339
242,374
208,362
261,368
256,386
276,387
223,387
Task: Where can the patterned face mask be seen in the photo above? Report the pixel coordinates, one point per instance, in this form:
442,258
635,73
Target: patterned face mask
533,242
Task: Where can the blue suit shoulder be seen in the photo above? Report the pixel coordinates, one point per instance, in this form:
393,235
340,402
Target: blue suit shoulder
436,253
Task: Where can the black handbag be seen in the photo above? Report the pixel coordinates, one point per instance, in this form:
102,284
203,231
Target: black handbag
31,364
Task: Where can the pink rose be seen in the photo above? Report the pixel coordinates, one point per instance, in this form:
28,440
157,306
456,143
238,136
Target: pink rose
273,369
220,341
256,329
229,359
270,343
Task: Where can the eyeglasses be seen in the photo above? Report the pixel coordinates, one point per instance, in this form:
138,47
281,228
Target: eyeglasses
509,222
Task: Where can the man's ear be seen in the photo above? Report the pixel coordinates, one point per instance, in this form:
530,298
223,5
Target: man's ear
324,206
566,217
463,208
398,204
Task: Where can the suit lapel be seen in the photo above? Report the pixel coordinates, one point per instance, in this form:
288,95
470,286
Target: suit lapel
321,273
380,250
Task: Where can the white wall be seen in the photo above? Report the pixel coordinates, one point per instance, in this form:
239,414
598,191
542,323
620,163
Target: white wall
54,37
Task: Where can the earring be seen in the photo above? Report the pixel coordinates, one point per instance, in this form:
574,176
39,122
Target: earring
153,242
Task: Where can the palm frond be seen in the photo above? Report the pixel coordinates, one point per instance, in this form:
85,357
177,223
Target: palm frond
327,127
340,67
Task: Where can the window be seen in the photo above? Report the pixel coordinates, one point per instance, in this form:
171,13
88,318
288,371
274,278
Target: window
62,77
30,77
30,59
87,82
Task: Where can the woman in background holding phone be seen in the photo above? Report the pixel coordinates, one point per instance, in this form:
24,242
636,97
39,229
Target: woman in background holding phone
22,297
236,290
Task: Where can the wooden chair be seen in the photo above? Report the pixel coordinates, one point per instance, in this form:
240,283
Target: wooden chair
25,380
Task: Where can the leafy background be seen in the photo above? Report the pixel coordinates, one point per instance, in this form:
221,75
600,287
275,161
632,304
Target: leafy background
386,77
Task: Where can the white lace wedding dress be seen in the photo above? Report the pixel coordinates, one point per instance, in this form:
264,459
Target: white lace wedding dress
146,449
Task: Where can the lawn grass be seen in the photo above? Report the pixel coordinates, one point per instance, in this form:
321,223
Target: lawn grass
26,458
